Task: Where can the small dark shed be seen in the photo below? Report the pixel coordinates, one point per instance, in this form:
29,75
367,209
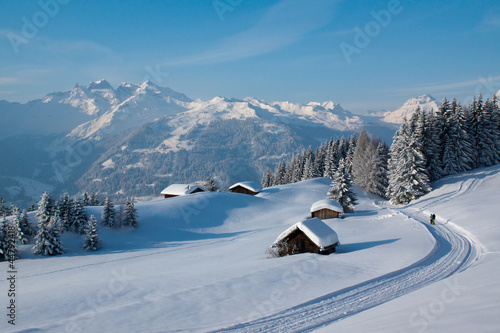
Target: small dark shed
326,209
311,235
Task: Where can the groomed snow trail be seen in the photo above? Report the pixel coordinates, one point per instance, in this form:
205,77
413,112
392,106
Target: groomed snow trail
454,252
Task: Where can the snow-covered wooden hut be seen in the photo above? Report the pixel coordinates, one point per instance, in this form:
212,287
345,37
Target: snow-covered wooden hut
248,187
176,190
326,209
311,235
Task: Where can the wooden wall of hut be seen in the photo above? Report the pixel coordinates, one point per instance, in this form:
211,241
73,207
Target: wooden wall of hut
324,214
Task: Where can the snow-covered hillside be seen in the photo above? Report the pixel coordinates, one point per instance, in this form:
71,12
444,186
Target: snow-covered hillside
468,301
198,263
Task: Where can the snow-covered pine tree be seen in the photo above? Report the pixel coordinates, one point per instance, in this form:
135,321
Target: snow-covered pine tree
267,179
46,208
65,212
3,239
431,146
17,223
280,174
340,189
25,225
319,162
362,161
486,139
47,240
80,217
379,173
297,169
308,168
94,199
495,112
91,240
86,199
210,185
408,178
3,207
457,152
108,213
473,121
130,214
289,171
351,147
332,158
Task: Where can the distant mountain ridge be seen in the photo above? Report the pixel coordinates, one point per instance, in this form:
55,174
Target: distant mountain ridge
425,102
138,138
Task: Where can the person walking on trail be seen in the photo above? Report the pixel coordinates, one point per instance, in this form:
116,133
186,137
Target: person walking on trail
433,219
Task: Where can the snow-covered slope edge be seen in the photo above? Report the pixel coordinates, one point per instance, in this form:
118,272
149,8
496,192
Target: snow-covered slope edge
468,300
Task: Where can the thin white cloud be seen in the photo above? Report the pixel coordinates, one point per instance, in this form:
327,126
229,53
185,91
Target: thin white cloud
284,24
491,21
7,80
484,83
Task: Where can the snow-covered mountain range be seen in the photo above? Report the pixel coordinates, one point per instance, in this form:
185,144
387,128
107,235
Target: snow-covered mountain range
137,138
425,102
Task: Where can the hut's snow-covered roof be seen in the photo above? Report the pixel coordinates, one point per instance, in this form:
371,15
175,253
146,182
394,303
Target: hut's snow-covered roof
249,185
326,204
317,231
181,189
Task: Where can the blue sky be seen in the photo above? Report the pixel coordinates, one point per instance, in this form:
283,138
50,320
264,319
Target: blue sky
293,50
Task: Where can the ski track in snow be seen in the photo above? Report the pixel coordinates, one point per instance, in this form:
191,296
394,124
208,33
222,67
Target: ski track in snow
455,251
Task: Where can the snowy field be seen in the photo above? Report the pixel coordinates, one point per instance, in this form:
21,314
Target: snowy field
198,263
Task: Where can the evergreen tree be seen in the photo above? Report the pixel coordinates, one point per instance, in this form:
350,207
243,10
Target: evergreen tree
94,199
379,174
474,115
47,240
486,139
3,207
108,213
80,217
351,147
280,174
20,229
267,179
319,162
3,239
340,189
495,113
408,178
210,185
297,169
91,241
308,168
289,171
25,225
130,214
65,212
362,161
86,199
46,208
432,147
457,152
